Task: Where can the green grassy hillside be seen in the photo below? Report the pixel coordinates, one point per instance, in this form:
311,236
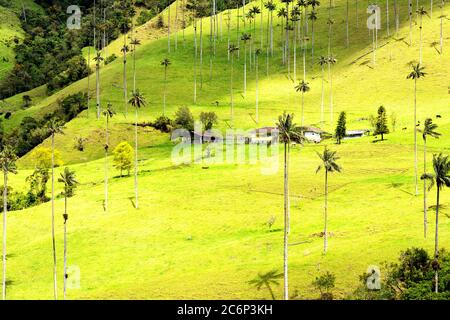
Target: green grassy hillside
201,233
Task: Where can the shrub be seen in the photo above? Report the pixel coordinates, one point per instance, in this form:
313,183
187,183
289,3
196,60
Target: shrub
184,119
325,283
123,157
110,59
209,119
163,124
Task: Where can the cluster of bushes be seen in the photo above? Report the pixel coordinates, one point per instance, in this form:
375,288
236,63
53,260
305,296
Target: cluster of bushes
32,131
184,120
411,278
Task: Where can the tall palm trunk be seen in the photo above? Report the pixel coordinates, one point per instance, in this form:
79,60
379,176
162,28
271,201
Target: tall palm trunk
65,244
106,163
245,68
201,53
136,158
125,93
312,42
322,105
425,206
231,88
176,25
420,41
228,33
55,289
261,26
387,19
271,33
165,90
410,21
195,61
415,139
436,238
295,54
88,80
303,107
286,50
442,27
5,211
286,218
97,71
325,229
168,29
347,42
257,88
331,92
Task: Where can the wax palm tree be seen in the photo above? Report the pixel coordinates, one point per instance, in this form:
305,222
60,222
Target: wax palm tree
323,61
329,164
108,113
313,17
124,50
69,181
8,165
267,280
135,42
303,87
54,127
168,28
286,44
137,101
233,48
440,178
331,61
288,132
428,130
257,54
165,63
245,37
98,59
421,12
271,7
295,18
416,74
282,14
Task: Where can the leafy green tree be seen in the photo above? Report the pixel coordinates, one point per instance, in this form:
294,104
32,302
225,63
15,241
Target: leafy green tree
69,182
209,119
429,129
341,128
381,125
137,101
330,165
8,160
267,280
123,157
416,74
26,101
325,283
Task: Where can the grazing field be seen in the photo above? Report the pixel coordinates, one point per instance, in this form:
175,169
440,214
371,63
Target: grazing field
201,231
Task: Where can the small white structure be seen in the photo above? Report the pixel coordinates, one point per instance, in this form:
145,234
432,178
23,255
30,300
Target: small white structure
352,134
312,134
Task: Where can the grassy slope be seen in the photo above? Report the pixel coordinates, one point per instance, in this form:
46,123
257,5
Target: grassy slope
9,29
208,240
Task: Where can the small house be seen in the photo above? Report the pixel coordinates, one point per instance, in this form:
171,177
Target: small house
353,134
313,134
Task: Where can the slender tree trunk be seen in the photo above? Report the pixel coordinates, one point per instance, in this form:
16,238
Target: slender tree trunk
5,212
125,93
425,206
65,245
357,20
201,53
415,139
231,87
270,290
245,68
262,24
312,42
286,218
286,51
387,19
325,230
322,106
295,54
88,81
195,61
98,89
176,25
165,90
347,43
410,21
442,27
168,30
257,88
331,92
136,159
228,33
106,163
55,290
436,238
271,33
420,41
303,108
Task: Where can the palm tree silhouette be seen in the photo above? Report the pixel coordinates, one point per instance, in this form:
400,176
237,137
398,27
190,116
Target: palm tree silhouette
98,59
303,87
232,49
440,178
165,63
8,165
245,37
267,280
428,130
323,61
54,127
417,73
329,164
137,101
69,181
108,113
421,12
288,133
